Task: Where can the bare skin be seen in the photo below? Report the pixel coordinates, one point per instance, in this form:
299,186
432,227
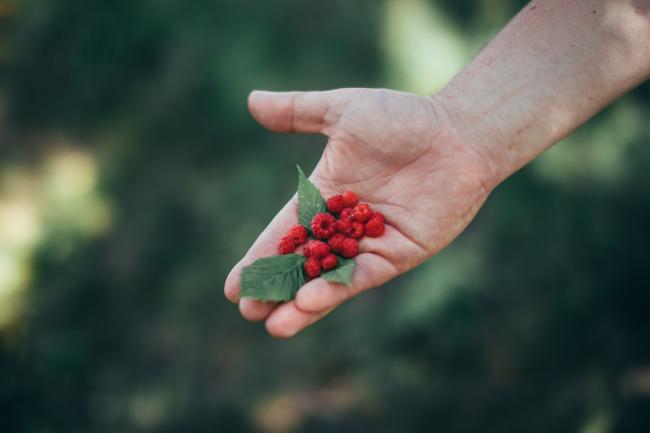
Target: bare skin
429,163
371,153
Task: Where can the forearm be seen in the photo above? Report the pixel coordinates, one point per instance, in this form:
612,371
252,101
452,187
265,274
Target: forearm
555,65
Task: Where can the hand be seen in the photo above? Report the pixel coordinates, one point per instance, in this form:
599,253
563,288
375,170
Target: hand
400,153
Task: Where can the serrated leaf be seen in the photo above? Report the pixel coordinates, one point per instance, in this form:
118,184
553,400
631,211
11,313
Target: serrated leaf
275,278
343,273
310,201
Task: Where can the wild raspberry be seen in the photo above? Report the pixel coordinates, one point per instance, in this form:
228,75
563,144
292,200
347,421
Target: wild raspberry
323,225
316,249
346,214
286,245
312,267
349,248
299,234
357,230
378,216
335,242
350,199
344,227
329,262
335,204
375,227
361,213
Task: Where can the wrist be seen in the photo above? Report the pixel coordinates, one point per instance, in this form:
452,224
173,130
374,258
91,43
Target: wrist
552,68
476,132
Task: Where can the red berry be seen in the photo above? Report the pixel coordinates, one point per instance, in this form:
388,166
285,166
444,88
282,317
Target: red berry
357,230
323,225
344,227
316,249
361,213
349,248
312,267
375,227
299,234
346,214
378,216
335,204
350,199
329,262
286,245
335,242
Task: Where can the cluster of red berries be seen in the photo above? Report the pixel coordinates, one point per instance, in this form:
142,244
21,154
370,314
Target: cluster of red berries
334,235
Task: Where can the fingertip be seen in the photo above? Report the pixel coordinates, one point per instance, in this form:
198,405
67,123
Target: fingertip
281,324
266,108
231,286
319,295
253,98
287,320
252,103
255,311
292,111
279,332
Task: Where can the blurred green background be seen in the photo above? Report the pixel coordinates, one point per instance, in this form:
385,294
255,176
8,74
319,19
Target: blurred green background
132,178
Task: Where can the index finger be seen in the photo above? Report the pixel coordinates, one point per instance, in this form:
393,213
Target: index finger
266,245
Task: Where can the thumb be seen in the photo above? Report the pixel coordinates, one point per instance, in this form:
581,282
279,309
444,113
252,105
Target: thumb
296,111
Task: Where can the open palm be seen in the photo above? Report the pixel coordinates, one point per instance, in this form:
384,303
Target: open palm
401,154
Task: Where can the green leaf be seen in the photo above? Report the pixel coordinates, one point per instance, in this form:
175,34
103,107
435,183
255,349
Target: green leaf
275,278
343,273
310,202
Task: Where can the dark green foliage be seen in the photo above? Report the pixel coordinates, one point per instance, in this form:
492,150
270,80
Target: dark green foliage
310,201
275,278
